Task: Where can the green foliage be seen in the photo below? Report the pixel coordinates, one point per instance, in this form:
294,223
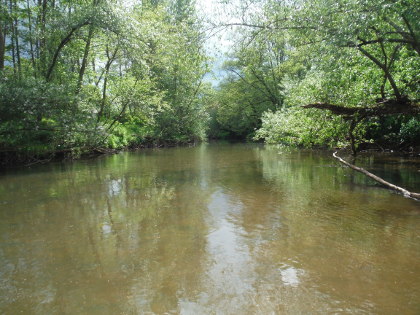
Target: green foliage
348,53
78,75
85,74
120,137
254,84
401,131
410,131
41,117
300,127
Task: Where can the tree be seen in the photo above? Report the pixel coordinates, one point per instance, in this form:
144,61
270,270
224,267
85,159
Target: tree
91,75
357,59
254,84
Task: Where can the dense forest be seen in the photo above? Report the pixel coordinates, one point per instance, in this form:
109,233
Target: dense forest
83,76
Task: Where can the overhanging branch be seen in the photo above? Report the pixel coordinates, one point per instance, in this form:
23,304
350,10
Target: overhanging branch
387,107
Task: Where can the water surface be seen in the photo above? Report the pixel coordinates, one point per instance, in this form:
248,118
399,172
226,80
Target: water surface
214,229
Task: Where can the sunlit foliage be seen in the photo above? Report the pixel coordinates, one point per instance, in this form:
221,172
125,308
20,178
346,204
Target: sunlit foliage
81,75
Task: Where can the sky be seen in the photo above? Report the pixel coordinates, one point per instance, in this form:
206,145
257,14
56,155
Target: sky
219,41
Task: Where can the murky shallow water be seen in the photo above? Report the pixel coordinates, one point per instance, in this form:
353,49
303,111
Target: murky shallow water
215,229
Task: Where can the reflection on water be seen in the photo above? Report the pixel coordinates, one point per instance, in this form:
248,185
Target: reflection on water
216,229
290,276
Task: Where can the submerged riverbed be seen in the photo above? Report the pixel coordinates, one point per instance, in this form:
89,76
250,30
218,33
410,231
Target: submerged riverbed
213,229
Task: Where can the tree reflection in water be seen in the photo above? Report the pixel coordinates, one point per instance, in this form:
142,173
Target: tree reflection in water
217,228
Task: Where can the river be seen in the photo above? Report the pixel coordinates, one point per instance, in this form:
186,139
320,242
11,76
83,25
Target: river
211,229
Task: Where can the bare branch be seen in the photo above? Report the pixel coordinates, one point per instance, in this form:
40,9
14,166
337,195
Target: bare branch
387,107
401,190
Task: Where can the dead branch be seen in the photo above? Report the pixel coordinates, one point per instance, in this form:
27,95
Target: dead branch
401,190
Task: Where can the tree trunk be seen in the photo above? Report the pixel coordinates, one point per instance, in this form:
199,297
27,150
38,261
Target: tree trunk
85,59
2,47
107,67
352,138
12,37
63,42
42,18
16,29
31,42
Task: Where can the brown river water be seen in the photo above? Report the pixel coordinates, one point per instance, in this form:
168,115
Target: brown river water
212,229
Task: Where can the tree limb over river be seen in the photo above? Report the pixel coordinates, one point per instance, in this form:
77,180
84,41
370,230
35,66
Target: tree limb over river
401,190
383,108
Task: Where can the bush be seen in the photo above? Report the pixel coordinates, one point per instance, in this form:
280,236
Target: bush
302,127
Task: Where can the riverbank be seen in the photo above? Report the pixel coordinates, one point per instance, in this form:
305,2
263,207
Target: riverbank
13,158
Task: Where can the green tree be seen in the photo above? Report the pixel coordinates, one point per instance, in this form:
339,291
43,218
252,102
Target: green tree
254,83
357,59
77,76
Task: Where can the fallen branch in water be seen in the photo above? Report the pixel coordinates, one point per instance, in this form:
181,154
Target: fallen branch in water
405,192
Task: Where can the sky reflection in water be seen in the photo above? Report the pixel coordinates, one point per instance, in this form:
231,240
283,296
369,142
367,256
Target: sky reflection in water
215,229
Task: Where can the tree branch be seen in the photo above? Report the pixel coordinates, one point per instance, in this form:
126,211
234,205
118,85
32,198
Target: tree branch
63,42
386,107
401,190
385,70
